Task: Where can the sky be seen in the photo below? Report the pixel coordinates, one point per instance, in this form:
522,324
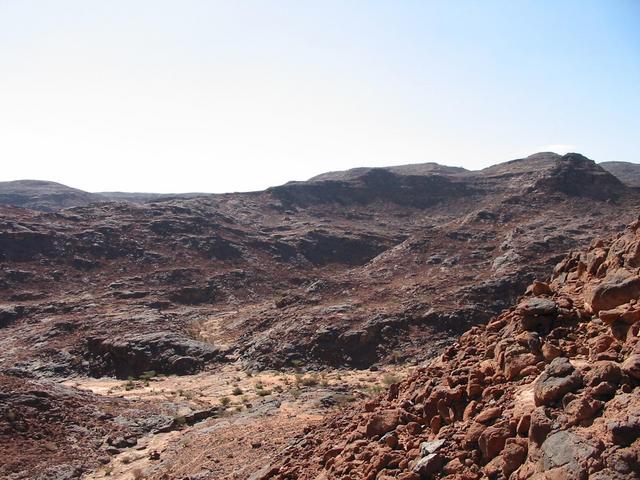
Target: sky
239,95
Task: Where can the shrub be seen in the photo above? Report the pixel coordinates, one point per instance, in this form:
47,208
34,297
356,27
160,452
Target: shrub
308,380
148,375
389,379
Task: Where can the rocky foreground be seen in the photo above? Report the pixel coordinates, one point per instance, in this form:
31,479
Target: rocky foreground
549,389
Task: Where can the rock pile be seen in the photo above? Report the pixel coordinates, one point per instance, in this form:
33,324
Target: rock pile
549,389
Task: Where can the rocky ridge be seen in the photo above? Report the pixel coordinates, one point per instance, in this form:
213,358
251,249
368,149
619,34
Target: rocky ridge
548,389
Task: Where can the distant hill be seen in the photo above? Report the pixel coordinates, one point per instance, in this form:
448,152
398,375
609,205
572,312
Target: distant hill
411,169
51,196
141,197
44,195
627,172
414,184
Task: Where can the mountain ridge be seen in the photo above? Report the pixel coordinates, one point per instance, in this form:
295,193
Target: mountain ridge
50,196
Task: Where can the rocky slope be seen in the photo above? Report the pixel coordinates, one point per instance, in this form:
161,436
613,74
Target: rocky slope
341,273
549,389
43,195
51,196
378,268
627,172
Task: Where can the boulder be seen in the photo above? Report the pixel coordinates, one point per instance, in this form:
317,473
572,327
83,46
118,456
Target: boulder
427,448
429,465
603,371
513,455
631,366
537,314
488,415
568,453
558,379
624,432
10,313
539,426
615,290
492,440
582,408
382,422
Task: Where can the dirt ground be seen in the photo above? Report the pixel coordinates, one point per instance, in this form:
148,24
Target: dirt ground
262,413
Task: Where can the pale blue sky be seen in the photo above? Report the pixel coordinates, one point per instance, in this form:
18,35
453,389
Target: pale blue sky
239,95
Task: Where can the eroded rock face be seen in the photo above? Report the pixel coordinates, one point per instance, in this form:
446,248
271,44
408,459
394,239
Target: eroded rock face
571,411
162,352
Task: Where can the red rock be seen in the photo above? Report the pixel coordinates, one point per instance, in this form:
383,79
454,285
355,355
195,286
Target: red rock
603,371
558,379
413,428
488,415
540,426
470,410
604,389
540,288
492,440
454,466
550,351
436,424
582,408
615,290
382,422
631,366
472,434
474,390
515,364
513,455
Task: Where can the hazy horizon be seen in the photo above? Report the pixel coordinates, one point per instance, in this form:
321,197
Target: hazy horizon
215,97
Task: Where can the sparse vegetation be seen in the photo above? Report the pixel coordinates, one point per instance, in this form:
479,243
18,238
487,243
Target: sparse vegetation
146,376
237,391
307,380
344,398
225,401
389,379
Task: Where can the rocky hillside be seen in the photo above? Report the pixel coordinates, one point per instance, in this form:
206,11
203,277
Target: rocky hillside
43,195
548,389
627,172
51,196
340,273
